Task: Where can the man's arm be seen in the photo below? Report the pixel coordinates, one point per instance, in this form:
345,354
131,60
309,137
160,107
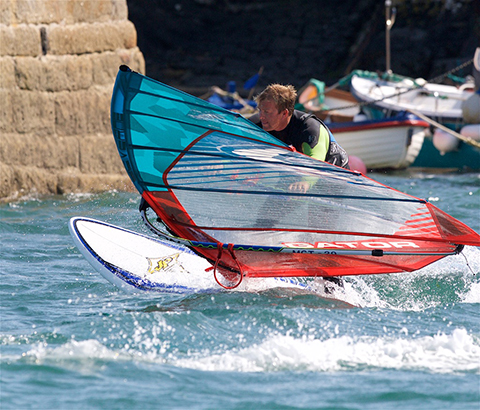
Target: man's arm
319,141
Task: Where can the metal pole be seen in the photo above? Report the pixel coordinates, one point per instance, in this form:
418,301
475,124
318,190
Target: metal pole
389,21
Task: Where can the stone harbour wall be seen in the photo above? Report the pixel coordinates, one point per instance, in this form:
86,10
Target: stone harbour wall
58,63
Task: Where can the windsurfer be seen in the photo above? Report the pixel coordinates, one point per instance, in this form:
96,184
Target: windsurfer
304,132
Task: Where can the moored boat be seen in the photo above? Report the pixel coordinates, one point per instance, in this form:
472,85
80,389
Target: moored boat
442,103
390,143
332,104
444,106
444,151
384,143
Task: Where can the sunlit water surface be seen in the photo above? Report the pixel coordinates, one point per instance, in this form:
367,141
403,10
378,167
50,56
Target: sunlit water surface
70,340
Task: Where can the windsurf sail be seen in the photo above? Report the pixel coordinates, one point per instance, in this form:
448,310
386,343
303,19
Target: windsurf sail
226,188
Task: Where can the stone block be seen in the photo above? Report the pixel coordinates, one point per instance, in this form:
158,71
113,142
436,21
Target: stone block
76,182
105,65
32,112
70,117
6,113
90,38
21,40
25,111
135,60
39,12
97,108
12,147
6,180
7,70
61,11
83,112
48,152
54,73
28,181
96,10
99,155
68,72
6,12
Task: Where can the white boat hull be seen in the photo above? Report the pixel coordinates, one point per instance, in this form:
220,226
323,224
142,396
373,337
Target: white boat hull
393,143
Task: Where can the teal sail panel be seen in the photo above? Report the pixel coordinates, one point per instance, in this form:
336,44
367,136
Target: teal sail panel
149,115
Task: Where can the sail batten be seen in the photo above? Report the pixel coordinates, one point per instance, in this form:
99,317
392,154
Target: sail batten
262,193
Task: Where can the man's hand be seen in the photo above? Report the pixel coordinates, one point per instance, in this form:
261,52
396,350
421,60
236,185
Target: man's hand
301,187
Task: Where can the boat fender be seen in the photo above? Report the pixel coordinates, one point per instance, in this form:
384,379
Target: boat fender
356,164
420,82
472,131
471,109
444,141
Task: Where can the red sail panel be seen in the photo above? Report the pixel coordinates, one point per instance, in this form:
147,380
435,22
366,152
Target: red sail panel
453,230
271,264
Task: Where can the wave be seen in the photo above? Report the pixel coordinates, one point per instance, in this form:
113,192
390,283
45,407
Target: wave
442,353
454,353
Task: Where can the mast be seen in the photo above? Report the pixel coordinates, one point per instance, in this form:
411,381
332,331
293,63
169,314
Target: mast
390,14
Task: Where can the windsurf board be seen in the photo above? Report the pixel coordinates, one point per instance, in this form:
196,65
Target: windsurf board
136,262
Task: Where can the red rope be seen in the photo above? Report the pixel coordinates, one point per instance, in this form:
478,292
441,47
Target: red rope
219,257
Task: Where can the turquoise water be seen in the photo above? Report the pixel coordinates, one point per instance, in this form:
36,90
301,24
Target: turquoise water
70,340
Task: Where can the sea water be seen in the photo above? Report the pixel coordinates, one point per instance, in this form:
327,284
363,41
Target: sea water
70,340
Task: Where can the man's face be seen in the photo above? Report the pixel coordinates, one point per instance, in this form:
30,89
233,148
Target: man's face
271,119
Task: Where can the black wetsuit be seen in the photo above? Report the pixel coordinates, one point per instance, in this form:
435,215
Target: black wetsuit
309,135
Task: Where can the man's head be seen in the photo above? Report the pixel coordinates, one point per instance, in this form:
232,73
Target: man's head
283,96
276,104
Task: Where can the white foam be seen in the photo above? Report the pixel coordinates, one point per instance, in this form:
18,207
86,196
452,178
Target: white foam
462,270
363,291
473,295
442,353
454,353
79,196
84,356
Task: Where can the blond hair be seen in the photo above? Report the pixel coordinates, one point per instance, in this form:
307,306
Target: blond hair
283,96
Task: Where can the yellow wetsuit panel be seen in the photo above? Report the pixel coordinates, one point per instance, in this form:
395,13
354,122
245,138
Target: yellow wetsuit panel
320,150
